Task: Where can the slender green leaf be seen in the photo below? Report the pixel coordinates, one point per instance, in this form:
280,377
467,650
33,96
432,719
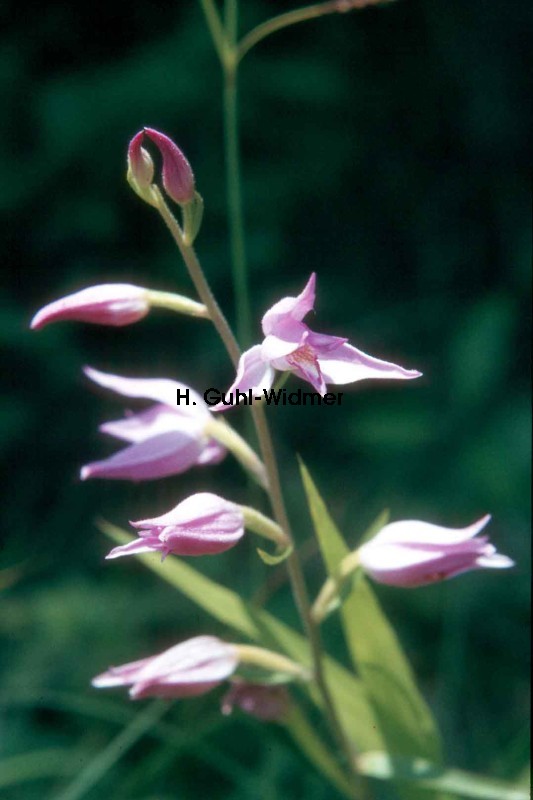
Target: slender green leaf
431,777
405,719
262,627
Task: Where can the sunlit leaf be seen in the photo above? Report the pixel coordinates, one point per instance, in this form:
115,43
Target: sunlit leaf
404,717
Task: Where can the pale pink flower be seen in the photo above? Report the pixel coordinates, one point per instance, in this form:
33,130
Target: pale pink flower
203,524
191,668
178,178
291,345
106,304
267,703
166,439
412,553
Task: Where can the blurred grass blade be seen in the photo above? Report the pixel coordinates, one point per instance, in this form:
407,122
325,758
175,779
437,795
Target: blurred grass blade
96,769
54,762
431,777
310,743
405,720
258,625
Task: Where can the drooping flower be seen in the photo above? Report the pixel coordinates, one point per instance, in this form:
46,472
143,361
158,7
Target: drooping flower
291,345
203,524
106,304
412,553
166,439
191,668
268,703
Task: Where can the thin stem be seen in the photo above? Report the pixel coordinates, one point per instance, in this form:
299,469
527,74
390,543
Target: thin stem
235,205
215,26
231,20
198,278
298,584
263,30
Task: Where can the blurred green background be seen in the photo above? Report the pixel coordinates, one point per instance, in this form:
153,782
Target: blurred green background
387,150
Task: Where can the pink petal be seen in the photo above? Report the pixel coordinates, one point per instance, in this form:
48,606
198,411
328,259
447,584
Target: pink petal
347,365
294,308
163,455
202,505
253,372
407,532
199,658
192,667
162,390
136,547
107,304
119,676
178,178
152,422
203,524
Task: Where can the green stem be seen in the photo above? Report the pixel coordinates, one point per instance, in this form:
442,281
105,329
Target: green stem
299,587
304,14
178,303
215,27
235,205
198,278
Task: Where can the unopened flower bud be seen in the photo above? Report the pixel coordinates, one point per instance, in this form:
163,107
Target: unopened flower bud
140,173
106,304
178,178
267,703
413,553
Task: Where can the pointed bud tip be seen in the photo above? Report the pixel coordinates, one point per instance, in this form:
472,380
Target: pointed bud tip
178,177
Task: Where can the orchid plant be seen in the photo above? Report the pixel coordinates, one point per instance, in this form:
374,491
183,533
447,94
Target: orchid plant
376,722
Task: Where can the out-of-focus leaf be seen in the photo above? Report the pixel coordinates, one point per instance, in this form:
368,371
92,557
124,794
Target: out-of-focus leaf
306,737
430,777
405,719
262,627
95,770
50,763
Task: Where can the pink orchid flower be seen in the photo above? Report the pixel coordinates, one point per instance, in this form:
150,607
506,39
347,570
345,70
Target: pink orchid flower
203,524
412,553
106,304
267,703
291,345
191,668
166,439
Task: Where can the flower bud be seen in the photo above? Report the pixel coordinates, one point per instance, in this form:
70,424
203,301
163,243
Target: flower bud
140,173
106,304
188,669
267,703
178,178
412,553
203,524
